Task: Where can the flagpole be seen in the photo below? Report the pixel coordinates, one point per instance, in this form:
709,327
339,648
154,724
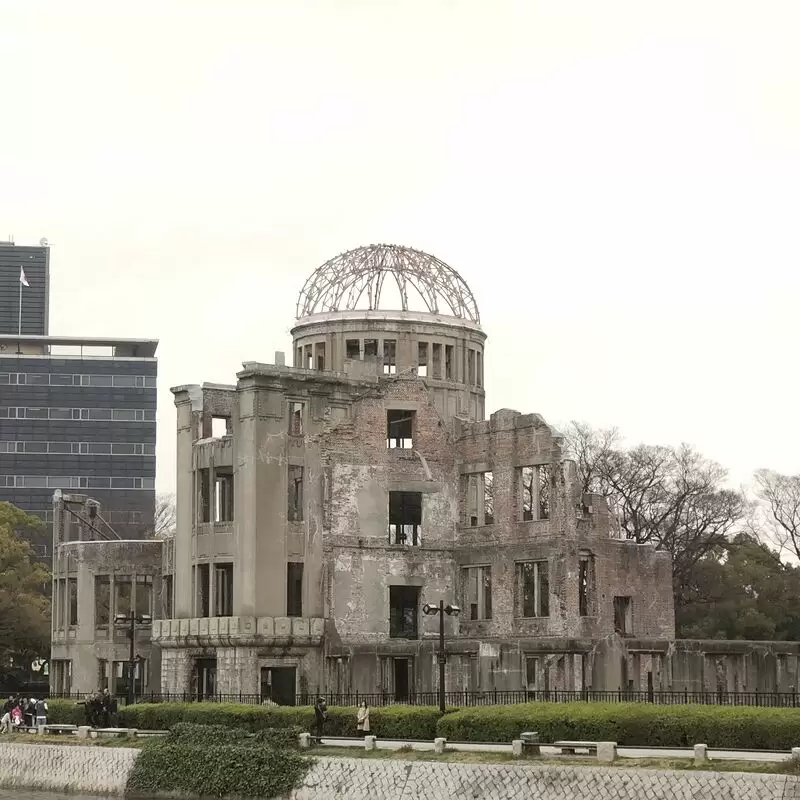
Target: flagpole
19,325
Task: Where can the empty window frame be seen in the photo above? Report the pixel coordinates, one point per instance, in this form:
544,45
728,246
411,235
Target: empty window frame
531,673
422,359
294,589
400,429
102,600
586,584
479,367
405,517
623,616
308,359
295,498
220,426
370,348
123,594
223,497
352,348
471,374
436,360
166,597
533,589
536,492
449,362
143,599
479,488
223,590
296,418
320,355
478,592
72,590
404,612
202,478
389,356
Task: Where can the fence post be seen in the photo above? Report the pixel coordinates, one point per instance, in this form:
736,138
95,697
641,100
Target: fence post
495,695
758,702
685,696
794,697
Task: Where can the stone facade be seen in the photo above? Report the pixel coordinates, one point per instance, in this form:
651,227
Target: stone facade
94,579
320,506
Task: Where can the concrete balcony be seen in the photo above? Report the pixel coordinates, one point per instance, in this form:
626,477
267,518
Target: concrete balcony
239,632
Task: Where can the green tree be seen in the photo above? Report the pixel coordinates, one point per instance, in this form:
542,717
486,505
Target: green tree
24,599
741,590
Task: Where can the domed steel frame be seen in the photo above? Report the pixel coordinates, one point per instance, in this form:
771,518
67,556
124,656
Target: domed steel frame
339,284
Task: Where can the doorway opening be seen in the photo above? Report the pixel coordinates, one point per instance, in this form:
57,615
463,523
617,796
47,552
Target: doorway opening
278,684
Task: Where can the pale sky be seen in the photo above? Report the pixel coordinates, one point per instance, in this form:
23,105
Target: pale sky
616,181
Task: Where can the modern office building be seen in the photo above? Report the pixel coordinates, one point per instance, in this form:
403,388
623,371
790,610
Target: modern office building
79,414
35,297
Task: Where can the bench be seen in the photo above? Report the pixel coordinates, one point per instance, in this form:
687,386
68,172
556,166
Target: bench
57,729
103,732
571,748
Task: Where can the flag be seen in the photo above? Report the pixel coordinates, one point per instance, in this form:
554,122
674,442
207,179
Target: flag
22,279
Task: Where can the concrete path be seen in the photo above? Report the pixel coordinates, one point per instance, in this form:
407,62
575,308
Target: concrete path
623,752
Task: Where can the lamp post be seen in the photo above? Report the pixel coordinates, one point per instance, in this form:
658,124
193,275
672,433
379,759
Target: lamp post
131,620
441,610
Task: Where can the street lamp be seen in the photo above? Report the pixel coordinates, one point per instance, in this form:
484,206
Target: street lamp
441,610
131,620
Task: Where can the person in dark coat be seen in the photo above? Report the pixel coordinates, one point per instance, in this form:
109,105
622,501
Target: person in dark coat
320,715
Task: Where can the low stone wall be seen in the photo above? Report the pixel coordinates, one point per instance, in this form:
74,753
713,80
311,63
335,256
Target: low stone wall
358,779
66,768
105,770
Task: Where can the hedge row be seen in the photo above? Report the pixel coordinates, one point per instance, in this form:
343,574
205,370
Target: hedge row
393,722
190,733
216,770
629,724
625,723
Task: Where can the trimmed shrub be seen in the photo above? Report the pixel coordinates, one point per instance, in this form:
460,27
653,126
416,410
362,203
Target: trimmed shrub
191,733
216,770
65,712
629,724
285,738
390,722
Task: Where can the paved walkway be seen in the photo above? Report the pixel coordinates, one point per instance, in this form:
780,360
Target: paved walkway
623,752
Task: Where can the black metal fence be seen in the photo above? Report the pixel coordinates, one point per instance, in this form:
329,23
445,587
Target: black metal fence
490,698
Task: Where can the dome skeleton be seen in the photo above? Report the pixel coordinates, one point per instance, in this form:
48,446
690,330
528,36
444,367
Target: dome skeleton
340,283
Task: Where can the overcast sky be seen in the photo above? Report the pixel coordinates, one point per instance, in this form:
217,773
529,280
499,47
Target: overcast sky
617,182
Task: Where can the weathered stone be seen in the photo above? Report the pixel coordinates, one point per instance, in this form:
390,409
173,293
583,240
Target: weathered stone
370,743
305,741
607,752
516,747
439,745
700,754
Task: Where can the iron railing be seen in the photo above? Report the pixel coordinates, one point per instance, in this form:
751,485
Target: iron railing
764,699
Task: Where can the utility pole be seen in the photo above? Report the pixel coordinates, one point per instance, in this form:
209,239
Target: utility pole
131,621
441,610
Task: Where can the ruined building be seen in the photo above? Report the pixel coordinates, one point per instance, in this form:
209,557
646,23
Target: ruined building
321,505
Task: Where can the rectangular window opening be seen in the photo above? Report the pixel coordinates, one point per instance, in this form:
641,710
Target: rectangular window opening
545,487
533,589
223,590
586,585
478,599
102,600
223,497
295,501
202,598
479,368
449,362
400,429
123,594
405,517
623,616
296,418
221,426
352,348
203,495
479,490
389,356
320,353
294,589
370,348
308,362
471,374
404,612
531,673
166,597
422,359
144,595
72,588
436,360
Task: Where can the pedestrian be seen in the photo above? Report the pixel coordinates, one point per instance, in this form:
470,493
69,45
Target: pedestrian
41,712
362,719
320,715
5,719
106,701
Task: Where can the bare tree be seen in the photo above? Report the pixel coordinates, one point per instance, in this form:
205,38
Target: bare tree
671,497
779,509
165,514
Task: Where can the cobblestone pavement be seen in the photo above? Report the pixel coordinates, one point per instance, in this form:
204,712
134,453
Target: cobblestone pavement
358,779
96,770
